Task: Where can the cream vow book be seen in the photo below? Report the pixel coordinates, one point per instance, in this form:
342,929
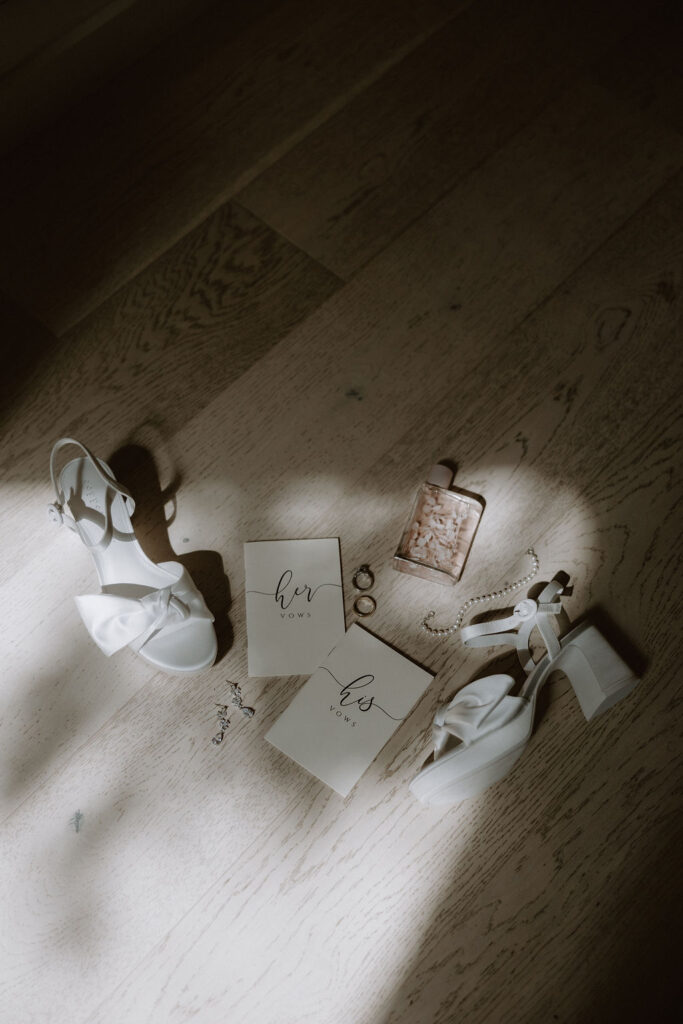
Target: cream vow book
295,607
352,704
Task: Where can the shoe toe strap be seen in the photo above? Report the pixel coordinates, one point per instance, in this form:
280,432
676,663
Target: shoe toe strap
479,708
114,621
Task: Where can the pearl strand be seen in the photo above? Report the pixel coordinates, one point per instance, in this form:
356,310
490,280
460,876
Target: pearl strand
509,588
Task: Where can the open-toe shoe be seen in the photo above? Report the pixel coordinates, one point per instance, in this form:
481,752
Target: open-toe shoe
153,608
480,735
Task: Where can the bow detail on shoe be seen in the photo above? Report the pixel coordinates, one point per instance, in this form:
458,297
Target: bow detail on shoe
479,708
114,621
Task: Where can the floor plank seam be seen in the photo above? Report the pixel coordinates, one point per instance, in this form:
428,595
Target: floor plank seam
277,153
289,809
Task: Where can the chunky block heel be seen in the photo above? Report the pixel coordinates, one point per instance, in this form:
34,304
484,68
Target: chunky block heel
599,676
481,734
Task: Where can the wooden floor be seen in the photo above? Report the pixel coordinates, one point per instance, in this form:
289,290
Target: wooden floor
275,270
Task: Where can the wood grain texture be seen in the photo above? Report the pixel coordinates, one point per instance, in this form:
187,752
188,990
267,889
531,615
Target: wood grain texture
484,912
167,343
179,134
351,186
526,325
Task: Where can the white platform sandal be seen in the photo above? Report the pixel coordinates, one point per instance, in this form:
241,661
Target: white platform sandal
480,735
154,609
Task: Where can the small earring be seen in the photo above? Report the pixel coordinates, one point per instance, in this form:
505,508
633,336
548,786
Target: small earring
236,692
224,723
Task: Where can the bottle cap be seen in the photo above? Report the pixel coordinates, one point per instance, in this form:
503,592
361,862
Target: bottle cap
440,475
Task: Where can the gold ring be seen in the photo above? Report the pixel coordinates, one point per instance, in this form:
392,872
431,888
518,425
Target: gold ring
364,605
363,578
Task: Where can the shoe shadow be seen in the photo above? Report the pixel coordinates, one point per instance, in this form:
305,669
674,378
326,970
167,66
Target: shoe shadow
135,467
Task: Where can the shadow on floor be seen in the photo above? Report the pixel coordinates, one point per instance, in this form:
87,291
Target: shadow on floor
135,467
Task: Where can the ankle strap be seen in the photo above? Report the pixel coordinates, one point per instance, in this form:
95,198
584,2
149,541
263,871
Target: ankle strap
515,629
56,510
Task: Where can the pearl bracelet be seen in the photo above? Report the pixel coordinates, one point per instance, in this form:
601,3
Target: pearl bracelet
509,588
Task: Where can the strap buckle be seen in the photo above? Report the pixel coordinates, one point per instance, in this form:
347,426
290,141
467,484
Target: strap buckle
526,609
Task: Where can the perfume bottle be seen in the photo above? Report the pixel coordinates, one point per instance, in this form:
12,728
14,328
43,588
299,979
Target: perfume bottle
439,532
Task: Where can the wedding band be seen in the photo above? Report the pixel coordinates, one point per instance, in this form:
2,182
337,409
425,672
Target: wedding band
363,579
364,605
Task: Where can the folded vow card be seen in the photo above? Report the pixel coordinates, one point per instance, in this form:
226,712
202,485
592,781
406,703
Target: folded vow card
295,605
349,708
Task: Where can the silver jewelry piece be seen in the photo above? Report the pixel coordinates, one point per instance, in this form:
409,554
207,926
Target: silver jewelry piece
236,692
224,723
508,588
364,605
363,578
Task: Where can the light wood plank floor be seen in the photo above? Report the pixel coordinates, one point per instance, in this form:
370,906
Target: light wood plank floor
274,271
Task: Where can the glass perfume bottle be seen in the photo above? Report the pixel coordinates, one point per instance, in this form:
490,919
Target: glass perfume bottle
440,530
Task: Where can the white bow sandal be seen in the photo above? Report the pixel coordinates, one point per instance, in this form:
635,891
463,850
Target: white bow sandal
480,735
154,609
